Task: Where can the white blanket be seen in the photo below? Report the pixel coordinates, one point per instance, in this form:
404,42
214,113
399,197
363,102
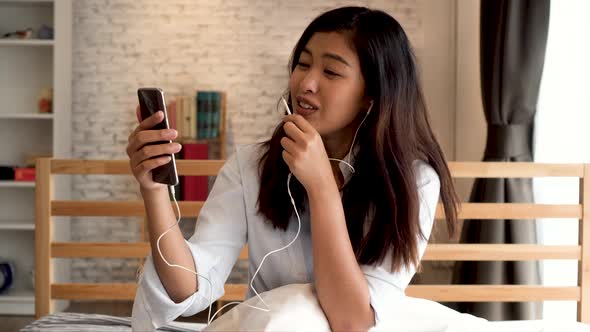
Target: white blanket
296,308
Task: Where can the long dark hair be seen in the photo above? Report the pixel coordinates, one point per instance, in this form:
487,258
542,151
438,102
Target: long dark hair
383,188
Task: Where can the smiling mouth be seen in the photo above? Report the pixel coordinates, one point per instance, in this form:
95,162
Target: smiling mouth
304,111
306,106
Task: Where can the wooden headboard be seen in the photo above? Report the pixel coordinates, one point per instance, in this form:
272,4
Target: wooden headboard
46,249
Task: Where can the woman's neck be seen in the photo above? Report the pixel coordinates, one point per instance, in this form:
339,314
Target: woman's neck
337,147
338,144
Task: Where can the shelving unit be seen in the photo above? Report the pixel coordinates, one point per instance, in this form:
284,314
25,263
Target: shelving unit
29,42
25,116
17,184
26,67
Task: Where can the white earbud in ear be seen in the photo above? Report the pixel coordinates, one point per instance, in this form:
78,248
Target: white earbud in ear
370,106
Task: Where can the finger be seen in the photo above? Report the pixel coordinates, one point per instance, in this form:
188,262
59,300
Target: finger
288,158
150,164
152,120
293,132
151,151
138,113
149,136
147,123
289,145
301,123
138,145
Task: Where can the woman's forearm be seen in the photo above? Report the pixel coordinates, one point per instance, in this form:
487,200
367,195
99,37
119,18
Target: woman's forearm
179,284
341,286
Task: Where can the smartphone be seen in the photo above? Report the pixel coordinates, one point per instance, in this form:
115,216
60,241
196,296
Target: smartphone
151,100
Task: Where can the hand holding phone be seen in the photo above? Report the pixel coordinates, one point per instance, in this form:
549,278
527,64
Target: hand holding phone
150,149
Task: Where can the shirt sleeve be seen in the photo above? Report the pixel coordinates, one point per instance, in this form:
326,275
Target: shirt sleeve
384,285
220,235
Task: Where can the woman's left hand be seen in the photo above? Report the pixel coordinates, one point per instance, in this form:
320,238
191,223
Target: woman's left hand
305,154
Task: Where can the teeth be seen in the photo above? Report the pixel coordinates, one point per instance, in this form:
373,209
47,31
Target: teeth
306,106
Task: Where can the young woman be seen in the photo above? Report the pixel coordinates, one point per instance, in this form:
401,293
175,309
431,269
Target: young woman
367,174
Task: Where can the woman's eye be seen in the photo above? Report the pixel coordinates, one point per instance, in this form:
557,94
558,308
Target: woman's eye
302,64
331,73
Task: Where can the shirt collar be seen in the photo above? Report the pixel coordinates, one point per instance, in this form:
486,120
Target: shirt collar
345,169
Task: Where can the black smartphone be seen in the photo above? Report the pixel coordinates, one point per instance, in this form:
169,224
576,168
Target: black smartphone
151,100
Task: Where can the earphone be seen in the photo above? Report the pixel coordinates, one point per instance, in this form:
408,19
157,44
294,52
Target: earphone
209,318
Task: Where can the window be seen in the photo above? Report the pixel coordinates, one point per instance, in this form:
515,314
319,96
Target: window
562,135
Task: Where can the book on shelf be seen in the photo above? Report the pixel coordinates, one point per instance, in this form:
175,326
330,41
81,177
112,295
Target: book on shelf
202,109
198,117
216,114
24,174
194,188
171,109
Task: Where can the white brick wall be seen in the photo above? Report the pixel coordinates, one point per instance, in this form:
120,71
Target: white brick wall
239,46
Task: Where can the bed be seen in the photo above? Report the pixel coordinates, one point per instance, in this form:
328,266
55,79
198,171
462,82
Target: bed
46,291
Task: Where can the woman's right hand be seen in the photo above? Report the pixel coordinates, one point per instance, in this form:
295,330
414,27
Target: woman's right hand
140,154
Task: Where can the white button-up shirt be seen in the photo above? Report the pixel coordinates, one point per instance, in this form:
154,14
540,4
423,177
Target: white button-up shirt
229,219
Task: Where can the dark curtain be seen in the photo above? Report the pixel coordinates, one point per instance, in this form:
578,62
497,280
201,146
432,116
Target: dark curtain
513,40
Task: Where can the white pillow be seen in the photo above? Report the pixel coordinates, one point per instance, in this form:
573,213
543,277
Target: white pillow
411,314
295,308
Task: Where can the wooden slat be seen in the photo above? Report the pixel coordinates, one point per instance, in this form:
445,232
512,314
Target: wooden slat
199,167
498,252
43,236
234,292
211,167
244,253
121,167
108,250
584,241
100,249
116,208
514,211
192,209
124,291
80,291
513,170
494,293
443,293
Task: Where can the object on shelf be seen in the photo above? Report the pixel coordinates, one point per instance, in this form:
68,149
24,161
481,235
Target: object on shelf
7,173
195,188
198,117
45,102
19,34
45,32
24,174
6,275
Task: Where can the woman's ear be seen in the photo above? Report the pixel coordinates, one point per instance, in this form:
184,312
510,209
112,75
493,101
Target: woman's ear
367,104
370,106
367,101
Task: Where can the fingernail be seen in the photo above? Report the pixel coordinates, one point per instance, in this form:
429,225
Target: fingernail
178,147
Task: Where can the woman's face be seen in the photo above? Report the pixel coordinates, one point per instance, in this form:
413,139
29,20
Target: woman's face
327,85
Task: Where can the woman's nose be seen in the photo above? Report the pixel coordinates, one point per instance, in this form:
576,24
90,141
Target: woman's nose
310,82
